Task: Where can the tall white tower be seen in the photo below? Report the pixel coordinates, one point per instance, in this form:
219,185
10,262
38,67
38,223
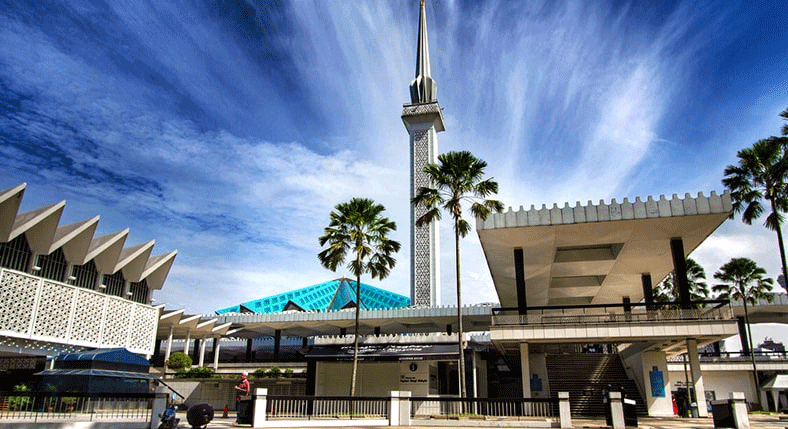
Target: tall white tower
423,119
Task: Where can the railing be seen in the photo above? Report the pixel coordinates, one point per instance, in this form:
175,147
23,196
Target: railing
612,313
327,407
47,407
739,356
498,408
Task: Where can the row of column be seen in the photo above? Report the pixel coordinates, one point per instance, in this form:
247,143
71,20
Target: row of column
200,344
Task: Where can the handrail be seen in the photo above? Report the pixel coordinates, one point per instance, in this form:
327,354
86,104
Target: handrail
719,302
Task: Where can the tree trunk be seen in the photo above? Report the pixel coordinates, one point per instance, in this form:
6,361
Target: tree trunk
355,340
782,256
752,350
461,366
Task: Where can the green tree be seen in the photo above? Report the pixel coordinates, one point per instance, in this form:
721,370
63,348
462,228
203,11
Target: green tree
668,289
784,115
457,179
744,281
178,361
761,177
359,233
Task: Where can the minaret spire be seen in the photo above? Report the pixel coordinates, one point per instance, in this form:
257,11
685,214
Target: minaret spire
423,119
423,88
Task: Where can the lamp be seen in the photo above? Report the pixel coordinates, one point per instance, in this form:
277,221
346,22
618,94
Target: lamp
72,278
36,268
102,286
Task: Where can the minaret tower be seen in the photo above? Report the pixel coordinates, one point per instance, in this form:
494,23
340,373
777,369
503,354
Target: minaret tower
423,119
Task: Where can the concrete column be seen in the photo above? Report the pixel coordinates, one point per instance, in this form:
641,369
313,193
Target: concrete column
745,343
126,294
525,370
248,350
68,273
680,268
202,350
697,377
186,341
169,345
216,343
32,263
399,412
519,281
648,290
159,405
739,405
260,403
564,411
99,282
474,392
617,409
656,383
278,342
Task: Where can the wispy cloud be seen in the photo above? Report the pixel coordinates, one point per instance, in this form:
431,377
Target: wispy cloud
230,131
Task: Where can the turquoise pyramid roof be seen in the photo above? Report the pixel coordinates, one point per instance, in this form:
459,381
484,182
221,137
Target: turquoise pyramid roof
329,296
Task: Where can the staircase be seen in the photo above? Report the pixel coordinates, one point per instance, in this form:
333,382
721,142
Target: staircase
585,376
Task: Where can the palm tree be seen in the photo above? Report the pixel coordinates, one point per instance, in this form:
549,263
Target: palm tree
784,115
457,178
668,291
357,229
761,176
744,280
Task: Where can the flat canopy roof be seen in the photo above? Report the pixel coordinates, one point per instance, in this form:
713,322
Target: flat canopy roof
594,254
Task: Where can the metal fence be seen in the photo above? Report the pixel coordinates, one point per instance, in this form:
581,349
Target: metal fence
498,408
327,407
45,407
612,313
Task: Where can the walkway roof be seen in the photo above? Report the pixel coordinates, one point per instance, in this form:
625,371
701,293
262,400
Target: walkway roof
594,254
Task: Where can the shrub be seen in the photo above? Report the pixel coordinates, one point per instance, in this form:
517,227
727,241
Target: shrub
200,372
274,372
178,361
260,373
19,402
288,373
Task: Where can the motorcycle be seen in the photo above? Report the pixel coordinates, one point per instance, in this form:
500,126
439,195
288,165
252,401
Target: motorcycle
169,419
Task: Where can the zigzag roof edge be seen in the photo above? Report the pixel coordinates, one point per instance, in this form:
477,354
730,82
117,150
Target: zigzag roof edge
28,220
9,206
69,233
133,259
602,212
157,269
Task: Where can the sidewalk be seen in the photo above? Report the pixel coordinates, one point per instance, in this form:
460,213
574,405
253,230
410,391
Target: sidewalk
756,421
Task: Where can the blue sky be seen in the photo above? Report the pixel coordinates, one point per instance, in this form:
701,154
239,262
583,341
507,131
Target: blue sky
228,130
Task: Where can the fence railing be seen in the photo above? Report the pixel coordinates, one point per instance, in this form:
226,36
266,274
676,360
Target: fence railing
612,313
45,407
325,407
500,408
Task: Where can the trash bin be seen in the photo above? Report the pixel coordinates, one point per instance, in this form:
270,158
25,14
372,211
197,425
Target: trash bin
246,410
199,416
694,410
722,414
630,413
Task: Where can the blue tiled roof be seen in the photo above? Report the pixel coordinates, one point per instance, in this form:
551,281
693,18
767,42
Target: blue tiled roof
328,296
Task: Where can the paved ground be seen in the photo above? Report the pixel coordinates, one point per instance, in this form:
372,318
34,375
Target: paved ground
756,421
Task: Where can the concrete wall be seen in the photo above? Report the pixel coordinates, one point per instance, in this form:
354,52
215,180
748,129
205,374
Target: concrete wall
374,378
661,406
722,383
220,392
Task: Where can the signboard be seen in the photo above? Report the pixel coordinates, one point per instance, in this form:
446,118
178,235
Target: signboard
657,383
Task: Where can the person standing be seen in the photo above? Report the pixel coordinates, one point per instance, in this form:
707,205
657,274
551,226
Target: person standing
242,389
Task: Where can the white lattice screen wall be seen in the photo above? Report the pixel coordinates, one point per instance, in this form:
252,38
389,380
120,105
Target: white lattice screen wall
36,309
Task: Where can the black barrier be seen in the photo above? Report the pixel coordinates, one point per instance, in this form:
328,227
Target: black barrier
246,411
722,414
630,413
